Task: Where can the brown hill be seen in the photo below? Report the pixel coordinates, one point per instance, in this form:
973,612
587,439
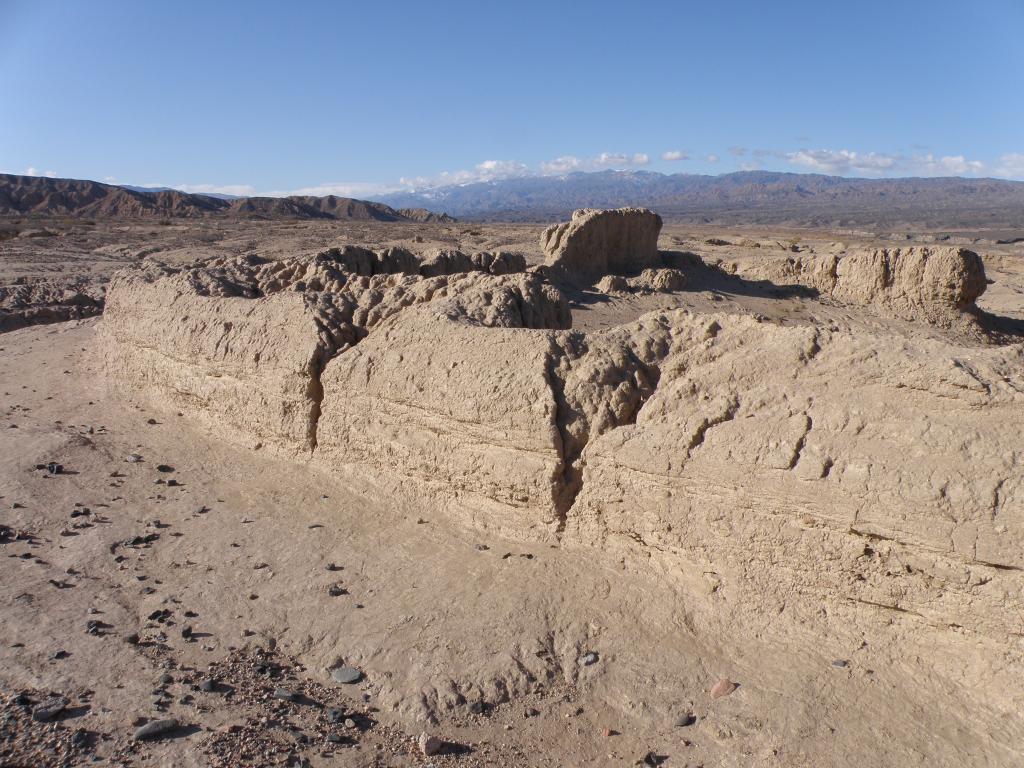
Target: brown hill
34,195
422,214
40,196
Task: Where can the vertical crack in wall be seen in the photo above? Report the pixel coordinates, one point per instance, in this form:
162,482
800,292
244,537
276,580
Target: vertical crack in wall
335,339
798,449
567,481
579,420
315,392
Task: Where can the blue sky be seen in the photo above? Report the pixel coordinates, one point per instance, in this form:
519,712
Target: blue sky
362,97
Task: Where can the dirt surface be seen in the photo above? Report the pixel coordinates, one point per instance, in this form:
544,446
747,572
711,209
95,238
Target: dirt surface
220,587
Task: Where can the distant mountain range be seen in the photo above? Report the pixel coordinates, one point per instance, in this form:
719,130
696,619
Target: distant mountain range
745,197
750,197
41,196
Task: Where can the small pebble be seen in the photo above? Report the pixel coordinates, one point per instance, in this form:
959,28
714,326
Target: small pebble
588,658
48,709
155,729
429,745
346,675
723,688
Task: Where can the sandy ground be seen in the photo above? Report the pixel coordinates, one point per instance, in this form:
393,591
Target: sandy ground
513,654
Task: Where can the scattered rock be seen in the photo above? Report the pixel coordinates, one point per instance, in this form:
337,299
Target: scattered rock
49,709
346,675
612,284
588,658
723,688
430,745
155,729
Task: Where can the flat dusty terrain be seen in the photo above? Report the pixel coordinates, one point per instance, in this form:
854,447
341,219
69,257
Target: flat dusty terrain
515,653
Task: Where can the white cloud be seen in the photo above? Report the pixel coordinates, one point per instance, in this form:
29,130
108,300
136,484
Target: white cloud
674,154
1011,166
563,164
737,151
488,170
956,165
502,168
840,161
570,163
845,162
712,158
30,171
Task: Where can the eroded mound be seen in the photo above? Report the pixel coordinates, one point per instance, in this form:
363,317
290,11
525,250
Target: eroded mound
242,342
828,485
934,284
25,303
596,242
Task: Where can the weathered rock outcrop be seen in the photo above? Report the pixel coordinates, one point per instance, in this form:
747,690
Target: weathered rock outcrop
720,452
242,342
25,302
832,486
597,242
934,284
